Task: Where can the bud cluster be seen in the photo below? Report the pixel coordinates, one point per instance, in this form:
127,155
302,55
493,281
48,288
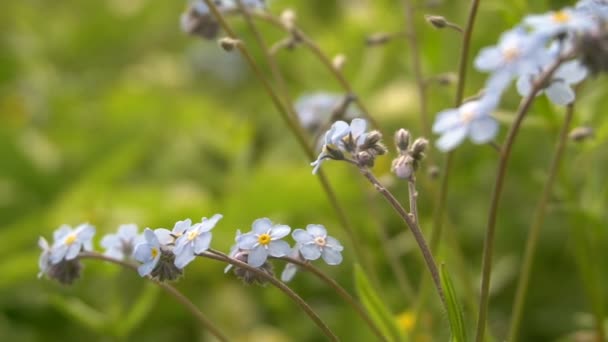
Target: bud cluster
410,157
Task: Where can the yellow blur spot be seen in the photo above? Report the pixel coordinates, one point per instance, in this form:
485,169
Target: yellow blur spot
154,252
70,239
560,17
406,321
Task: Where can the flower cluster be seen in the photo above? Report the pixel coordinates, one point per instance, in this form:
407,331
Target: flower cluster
266,240
524,53
363,147
198,19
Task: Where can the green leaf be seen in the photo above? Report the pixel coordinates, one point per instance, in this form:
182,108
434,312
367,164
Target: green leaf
377,310
455,317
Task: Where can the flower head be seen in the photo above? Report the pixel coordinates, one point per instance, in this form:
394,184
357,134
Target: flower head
556,22
559,88
148,253
69,242
315,243
65,271
472,119
264,240
168,237
121,244
195,240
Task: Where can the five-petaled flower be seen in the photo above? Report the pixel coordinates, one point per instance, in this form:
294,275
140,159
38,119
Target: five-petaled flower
148,253
315,243
341,137
264,240
69,242
195,240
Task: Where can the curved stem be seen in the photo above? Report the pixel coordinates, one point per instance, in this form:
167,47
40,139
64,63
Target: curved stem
340,291
488,246
414,228
534,232
219,256
296,130
168,288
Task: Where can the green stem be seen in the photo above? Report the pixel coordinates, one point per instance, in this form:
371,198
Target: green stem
505,153
168,288
219,256
341,292
534,232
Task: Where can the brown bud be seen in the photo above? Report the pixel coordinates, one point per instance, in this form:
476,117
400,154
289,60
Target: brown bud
339,61
579,134
402,140
228,44
436,20
418,148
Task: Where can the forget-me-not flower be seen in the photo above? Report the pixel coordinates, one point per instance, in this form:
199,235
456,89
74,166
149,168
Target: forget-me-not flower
595,9
69,242
168,237
265,239
121,244
317,108
559,89
471,119
341,136
314,243
556,22
148,253
195,240
44,262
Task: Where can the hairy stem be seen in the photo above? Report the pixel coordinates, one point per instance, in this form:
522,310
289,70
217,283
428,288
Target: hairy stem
216,255
488,246
168,288
534,232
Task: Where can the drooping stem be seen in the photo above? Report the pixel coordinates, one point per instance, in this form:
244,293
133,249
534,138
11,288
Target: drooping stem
216,255
296,130
534,231
414,228
341,292
488,247
168,288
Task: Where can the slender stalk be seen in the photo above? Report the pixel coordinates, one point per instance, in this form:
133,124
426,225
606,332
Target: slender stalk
296,130
488,247
219,256
413,197
168,288
416,65
536,226
341,292
414,228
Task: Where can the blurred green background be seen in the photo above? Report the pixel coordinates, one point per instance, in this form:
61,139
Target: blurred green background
110,114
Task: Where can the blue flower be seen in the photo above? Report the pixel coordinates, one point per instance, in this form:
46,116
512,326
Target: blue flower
596,9
291,269
559,90
264,240
195,240
121,244
314,243
335,136
168,237
472,119
148,253
69,242
554,23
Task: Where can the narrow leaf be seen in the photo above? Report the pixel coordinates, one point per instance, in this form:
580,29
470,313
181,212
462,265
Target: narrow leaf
455,315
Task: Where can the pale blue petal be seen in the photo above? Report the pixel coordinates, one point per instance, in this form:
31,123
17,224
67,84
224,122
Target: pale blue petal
358,127
483,130
142,252
316,230
261,225
497,83
524,85
110,241
145,269
278,248
452,138
180,244
207,225
185,257
310,251
302,236
151,237
58,253
61,232
339,130
257,256
127,231
279,231
73,251
202,242
247,241
445,120
85,232
331,256
43,244
289,272
334,243
560,93
488,59
181,226
571,72
164,236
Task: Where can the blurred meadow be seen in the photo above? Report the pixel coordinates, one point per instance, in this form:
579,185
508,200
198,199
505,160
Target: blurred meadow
110,114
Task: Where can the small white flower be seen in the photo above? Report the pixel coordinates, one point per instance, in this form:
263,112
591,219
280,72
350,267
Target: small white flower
69,242
314,243
121,244
195,240
264,240
472,119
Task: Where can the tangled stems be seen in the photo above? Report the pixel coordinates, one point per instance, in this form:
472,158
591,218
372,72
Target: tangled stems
340,291
505,153
412,223
296,131
537,223
170,289
219,256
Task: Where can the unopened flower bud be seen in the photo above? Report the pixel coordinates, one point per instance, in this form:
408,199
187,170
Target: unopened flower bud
333,152
65,272
166,269
365,158
418,148
250,277
403,166
339,61
402,140
579,134
436,20
372,138
378,39
228,44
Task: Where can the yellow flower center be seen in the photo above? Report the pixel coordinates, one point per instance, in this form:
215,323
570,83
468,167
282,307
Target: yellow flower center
192,235
154,252
560,17
264,239
320,241
406,321
70,239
